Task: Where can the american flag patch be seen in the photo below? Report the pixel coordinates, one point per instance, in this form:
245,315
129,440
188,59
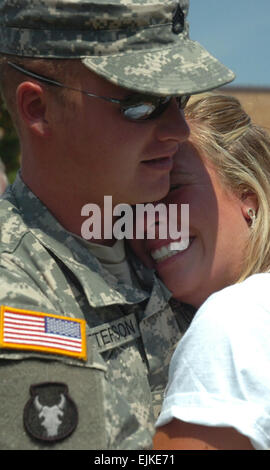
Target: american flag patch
37,331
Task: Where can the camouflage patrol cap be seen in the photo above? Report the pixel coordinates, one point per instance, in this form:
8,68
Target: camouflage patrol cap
142,45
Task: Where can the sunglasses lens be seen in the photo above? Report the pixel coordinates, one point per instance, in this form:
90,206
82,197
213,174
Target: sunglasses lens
182,101
146,110
139,112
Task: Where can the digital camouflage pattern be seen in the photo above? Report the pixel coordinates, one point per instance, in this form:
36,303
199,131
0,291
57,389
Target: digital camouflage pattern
118,392
142,45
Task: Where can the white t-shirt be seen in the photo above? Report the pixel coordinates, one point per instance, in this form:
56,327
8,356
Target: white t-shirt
220,371
113,258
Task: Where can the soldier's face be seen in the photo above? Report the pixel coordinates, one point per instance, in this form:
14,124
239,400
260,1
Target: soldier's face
106,154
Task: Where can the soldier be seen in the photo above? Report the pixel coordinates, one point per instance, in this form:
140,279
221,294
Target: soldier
96,91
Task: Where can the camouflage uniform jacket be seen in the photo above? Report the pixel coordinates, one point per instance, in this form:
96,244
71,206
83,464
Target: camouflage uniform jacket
118,389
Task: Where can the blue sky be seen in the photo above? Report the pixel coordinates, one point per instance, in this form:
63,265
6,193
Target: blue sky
237,32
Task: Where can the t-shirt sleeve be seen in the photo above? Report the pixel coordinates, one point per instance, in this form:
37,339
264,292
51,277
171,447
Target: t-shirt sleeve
219,374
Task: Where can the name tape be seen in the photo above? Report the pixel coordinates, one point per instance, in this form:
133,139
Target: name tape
112,335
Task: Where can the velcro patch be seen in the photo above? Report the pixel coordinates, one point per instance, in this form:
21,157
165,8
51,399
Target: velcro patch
50,414
45,332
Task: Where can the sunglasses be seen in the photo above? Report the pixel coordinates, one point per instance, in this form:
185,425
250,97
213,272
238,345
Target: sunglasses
136,107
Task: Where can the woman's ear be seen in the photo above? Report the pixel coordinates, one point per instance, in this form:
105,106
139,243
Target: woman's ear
31,102
249,206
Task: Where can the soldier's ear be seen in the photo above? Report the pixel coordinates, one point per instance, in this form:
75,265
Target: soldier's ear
32,108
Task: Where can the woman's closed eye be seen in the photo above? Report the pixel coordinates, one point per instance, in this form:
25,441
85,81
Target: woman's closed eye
175,186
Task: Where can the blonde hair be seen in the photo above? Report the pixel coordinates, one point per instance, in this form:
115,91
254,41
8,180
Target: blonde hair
240,152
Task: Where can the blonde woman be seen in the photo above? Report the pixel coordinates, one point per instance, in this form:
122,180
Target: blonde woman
219,381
